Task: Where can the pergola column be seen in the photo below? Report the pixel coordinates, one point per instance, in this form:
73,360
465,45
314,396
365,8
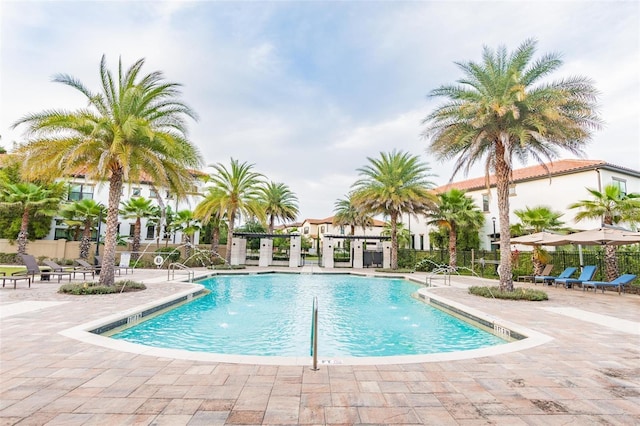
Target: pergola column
238,251
295,251
266,252
386,255
358,254
327,252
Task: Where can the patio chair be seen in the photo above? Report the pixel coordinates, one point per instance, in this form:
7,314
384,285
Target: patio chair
618,282
80,270
116,267
587,274
550,278
33,269
546,271
87,266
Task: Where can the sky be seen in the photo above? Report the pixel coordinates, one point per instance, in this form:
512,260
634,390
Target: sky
308,90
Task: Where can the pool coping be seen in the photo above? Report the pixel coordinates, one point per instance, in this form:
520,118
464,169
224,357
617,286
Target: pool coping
525,338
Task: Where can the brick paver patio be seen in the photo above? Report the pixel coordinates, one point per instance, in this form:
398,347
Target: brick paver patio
589,373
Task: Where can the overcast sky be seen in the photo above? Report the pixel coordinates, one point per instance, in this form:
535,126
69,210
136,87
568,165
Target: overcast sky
307,91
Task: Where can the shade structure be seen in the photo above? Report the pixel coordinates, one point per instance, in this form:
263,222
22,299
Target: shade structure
537,239
599,236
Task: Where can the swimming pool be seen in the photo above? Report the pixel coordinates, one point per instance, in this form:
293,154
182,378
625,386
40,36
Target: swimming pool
270,315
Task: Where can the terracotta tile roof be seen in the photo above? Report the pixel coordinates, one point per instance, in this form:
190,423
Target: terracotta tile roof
528,173
329,219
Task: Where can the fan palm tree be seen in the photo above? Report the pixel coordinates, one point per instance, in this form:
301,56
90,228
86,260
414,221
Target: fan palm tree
137,208
135,124
538,219
188,225
30,199
391,185
453,211
346,214
612,207
235,190
84,214
404,238
500,110
279,203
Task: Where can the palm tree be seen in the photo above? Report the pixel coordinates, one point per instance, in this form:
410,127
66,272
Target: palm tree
189,225
499,110
612,207
209,211
235,190
84,214
135,124
279,203
538,219
30,199
453,211
394,184
404,238
137,208
346,214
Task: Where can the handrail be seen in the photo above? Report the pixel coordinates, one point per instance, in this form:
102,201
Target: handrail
171,271
314,334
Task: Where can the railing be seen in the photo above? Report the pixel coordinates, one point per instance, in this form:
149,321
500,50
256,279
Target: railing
171,271
314,334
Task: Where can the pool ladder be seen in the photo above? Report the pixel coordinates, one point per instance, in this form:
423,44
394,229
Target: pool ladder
171,271
314,334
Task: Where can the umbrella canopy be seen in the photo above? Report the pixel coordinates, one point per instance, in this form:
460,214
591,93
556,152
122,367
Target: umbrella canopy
537,239
599,236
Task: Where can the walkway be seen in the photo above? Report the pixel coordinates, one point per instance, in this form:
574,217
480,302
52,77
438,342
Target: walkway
589,373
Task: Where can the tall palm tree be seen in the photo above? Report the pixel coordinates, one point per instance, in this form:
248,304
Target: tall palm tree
538,219
347,214
30,199
453,211
499,110
404,238
135,124
612,207
279,203
85,214
391,185
236,190
137,208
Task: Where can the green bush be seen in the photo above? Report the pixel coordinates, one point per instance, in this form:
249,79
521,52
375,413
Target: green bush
95,288
517,294
397,271
9,259
170,253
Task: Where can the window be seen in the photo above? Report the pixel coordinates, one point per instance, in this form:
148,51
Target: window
413,241
151,232
153,193
80,191
341,229
136,192
512,190
621,184
485,202
132,229
421,242
169,195
306,230
322,229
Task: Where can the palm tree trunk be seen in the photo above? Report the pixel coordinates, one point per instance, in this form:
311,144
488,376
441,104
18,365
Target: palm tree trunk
85,243
135,248
611,262
24,232
215,239
453,255
394,240
535,260
232,219
107,276
503,176
272,220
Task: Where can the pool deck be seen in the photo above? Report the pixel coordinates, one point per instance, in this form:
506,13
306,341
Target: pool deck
587,372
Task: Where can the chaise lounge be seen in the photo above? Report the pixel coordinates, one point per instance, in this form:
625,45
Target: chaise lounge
531,278
618,282
550,278
587,274
33,269
80,270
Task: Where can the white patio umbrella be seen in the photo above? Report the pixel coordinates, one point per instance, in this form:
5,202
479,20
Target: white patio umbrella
600,236
537,239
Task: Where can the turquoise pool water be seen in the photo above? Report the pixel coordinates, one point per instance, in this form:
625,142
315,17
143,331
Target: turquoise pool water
270,315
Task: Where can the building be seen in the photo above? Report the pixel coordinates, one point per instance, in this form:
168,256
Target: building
558,185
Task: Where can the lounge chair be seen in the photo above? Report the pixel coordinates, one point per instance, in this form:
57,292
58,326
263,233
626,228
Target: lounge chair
33,269
80,270
550,278
618,282
87,266
587,274
546,271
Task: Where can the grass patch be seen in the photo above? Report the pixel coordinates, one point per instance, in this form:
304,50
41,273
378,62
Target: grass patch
225,266
96,288
9,270
517,294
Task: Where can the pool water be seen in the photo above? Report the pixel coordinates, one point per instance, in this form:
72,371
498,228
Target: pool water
270,315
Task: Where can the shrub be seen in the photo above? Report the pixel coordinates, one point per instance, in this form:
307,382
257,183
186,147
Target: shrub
95,288
397,271
10,259
516,294
170,253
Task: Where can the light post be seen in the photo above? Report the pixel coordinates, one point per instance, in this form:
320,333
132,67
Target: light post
493,236
98,232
